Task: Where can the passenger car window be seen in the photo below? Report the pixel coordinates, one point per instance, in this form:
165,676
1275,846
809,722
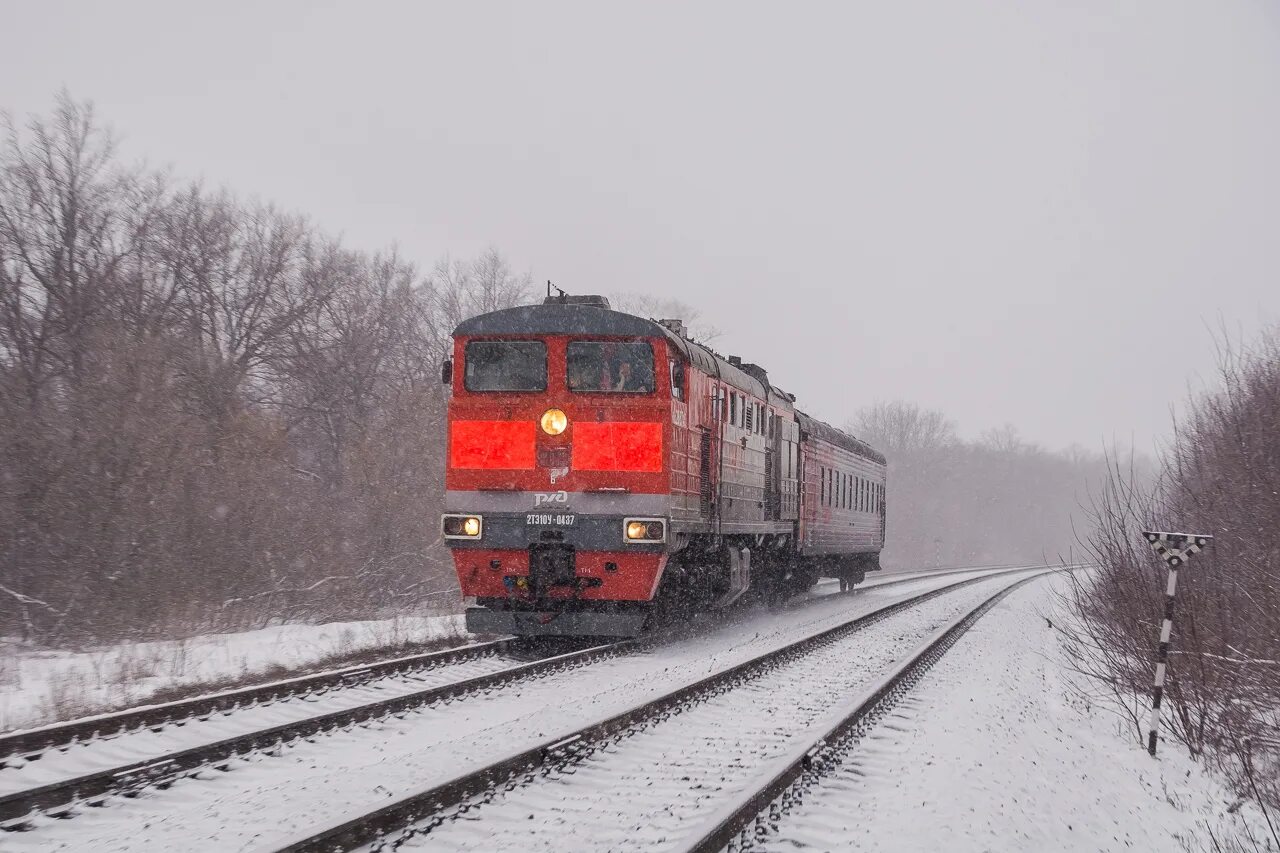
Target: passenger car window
610,367
505,366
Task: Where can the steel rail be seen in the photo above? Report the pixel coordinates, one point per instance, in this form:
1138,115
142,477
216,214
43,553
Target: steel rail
375,825
161,770
30,743
814,757
57,798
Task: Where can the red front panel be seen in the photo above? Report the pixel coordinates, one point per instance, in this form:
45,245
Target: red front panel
634,579
614,446
505,445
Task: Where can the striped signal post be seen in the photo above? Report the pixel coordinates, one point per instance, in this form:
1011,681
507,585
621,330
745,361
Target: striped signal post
1175,549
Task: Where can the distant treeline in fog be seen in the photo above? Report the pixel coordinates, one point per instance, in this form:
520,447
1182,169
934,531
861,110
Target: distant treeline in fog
953,502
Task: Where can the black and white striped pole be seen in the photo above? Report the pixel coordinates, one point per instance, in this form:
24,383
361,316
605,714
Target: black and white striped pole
1175,549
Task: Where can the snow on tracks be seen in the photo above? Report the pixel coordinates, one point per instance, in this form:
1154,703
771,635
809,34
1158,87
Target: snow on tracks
350,771
646,786
150,754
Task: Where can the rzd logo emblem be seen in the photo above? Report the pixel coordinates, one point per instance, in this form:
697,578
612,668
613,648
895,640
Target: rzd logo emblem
540,498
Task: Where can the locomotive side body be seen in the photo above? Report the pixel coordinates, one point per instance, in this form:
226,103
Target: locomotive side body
599,463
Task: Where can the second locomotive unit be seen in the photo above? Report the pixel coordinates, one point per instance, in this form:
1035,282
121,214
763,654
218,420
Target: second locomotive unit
600,464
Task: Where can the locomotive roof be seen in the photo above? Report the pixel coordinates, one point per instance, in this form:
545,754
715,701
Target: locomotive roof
838,437
569,318
560,319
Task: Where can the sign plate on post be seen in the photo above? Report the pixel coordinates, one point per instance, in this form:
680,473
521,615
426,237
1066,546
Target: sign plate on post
1175,549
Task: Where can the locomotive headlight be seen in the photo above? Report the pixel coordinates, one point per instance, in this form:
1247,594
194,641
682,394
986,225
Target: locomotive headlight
461,526
554,421
644,530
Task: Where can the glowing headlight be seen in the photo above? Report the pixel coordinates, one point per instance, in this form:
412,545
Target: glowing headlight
554,421
461,526
644,530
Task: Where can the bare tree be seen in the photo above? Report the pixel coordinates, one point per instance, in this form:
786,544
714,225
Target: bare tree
899,427
657,308
211,414
459,289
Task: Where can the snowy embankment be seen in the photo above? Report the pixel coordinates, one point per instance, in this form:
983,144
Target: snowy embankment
40,686
999,748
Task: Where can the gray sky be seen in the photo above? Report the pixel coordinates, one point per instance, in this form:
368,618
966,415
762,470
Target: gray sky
1021,212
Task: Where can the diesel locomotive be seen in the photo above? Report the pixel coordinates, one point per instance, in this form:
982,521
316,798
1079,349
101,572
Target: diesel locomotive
601,465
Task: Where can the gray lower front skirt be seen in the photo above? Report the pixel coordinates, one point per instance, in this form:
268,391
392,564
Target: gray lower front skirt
482,620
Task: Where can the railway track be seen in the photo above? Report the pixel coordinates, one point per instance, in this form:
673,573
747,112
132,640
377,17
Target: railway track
21,747
740,826
610,757
156,764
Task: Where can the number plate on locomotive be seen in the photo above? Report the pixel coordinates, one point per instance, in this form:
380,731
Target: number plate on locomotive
554,519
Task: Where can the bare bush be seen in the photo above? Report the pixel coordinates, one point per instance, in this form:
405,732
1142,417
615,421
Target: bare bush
1221,476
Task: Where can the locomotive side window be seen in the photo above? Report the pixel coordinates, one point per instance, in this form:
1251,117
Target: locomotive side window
505,366
610,367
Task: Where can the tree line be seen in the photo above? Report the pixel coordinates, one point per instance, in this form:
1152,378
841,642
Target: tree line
212,414
952,502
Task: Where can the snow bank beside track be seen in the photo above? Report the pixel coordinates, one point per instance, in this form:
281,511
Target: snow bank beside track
39,686
995,750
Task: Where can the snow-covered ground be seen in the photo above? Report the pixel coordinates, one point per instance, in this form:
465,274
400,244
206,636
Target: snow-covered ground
38,686
995,750
266,801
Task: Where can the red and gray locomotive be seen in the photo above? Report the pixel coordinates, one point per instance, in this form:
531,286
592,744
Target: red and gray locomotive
600,465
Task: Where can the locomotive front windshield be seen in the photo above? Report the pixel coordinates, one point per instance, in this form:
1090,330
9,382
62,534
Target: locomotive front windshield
610,367
506,366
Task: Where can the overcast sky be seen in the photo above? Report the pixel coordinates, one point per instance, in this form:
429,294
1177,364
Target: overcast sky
1014,212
